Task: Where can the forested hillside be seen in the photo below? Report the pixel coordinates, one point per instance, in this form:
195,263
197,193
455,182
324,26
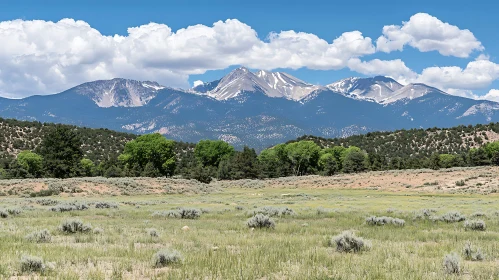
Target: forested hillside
33,149
419,143
97,144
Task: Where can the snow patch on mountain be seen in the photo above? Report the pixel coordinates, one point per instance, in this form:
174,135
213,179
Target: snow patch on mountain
410,92
486,108
279,84
374,89
119,92
272,84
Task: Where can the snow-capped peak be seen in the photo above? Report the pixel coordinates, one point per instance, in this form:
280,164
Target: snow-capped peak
119,92
237,81
272,84
374,89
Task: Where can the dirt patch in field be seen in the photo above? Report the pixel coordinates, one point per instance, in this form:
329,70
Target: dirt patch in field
483,180
455,180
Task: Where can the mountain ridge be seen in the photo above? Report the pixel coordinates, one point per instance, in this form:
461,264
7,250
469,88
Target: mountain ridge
256,109
135,93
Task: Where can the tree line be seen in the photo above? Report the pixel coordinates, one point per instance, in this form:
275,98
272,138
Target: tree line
60,155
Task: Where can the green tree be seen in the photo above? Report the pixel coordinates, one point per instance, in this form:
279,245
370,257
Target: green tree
347,151
303,156
376,162
150,171
270,163
113,171
478,157
224,169
354,161
448,161
491,148
242,165
31,162
87,167
338,153
434,161
211,152
189,167
150,148
495,158
61,152
328,164
203,174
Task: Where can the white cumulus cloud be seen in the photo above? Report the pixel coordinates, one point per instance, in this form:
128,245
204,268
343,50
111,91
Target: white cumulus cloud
427,33
197,83
392,68
41,57
477,74
492,95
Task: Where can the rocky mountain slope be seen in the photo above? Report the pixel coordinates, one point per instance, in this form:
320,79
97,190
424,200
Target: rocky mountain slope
258,109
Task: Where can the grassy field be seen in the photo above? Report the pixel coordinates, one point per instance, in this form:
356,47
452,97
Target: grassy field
219,244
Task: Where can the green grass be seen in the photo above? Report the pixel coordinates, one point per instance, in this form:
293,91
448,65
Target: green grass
219,245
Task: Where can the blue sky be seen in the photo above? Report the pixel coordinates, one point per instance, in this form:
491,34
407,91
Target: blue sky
327,20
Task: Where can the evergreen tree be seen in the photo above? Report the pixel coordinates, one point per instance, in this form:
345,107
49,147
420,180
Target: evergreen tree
434,162
61,152
150,171
270,163
244,165
113,171
328,164
354,161
225,169
495,158
478,157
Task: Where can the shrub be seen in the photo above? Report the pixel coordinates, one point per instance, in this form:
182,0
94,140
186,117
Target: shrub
322,211
48,192
460,183
152,232
70,206
47,201
74,226
166,214
475,225
471,254
4,213
189,213
180,213
452,264
380,221
452,217
32,264
273,211
424,213
14,211
261,221
478,214
166,257
103,205
347,242
40,236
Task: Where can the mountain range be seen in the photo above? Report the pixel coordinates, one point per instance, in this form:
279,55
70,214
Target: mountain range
258,109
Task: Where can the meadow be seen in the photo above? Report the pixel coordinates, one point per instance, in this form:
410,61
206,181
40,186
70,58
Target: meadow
126,223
